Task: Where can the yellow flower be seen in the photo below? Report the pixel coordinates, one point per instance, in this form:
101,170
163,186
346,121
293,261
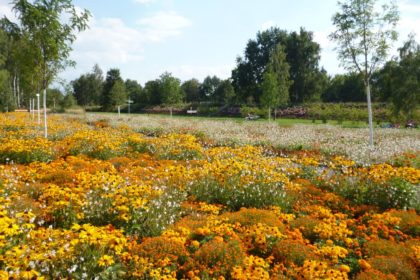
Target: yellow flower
195,244
106,260
345,268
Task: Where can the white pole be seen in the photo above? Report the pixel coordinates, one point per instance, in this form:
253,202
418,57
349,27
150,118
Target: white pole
119,113
39,113
33,108
30,107
45,114
371,143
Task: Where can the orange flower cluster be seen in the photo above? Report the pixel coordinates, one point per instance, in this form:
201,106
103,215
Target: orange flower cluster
103,202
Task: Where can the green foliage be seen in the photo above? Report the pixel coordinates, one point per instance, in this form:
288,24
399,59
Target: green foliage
396,193
302,54
406,81
170,89
25,157
345,88
191,90
208,88
134,92
224,93
6,97
110,95
159,214
47,37
346,112
67,102
363,35
235,195
255,111
118,94
87,89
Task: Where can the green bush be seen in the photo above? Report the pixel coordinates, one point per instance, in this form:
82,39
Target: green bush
235,196
395,193
159,214
245,111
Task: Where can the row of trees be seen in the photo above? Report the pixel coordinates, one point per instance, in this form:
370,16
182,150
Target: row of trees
278,67
280,84
92,89
35,48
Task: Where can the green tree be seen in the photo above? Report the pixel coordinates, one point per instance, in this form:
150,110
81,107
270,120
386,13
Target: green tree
152,93
118,95
170,88
302,55
280,68
208,88
54,97
49,36
134,93
224,93
276,83
269,86
6,97
67,102
191,90
406,80
363,34
113,76
87,89
345,88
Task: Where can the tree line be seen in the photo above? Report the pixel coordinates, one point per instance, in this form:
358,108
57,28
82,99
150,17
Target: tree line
278,69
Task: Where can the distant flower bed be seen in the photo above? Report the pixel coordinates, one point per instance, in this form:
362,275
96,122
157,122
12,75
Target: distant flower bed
106,202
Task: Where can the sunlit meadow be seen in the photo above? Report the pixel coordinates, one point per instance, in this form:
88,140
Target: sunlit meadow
159,198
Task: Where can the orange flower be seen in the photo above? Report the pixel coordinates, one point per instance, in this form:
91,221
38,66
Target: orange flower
364,264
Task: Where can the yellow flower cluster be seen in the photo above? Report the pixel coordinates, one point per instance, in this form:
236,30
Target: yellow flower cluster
95,200
255,268
319,270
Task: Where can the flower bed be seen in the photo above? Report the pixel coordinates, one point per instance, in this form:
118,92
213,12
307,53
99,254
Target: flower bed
112,203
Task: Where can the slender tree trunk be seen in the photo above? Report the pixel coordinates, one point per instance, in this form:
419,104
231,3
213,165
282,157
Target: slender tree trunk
14,91
170,109
269,114
119,111
18,91
45,113
369,103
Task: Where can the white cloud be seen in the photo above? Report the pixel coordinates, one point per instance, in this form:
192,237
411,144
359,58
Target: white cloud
110,42
162,25
408,7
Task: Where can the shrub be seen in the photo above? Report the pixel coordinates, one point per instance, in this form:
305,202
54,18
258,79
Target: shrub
373,274
234,195
159,248
410,222
159,214
247,217
306,225
381,247
219,257
395,193
396,266
292,251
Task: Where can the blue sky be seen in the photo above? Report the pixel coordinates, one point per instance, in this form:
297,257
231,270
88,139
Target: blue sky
196,38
